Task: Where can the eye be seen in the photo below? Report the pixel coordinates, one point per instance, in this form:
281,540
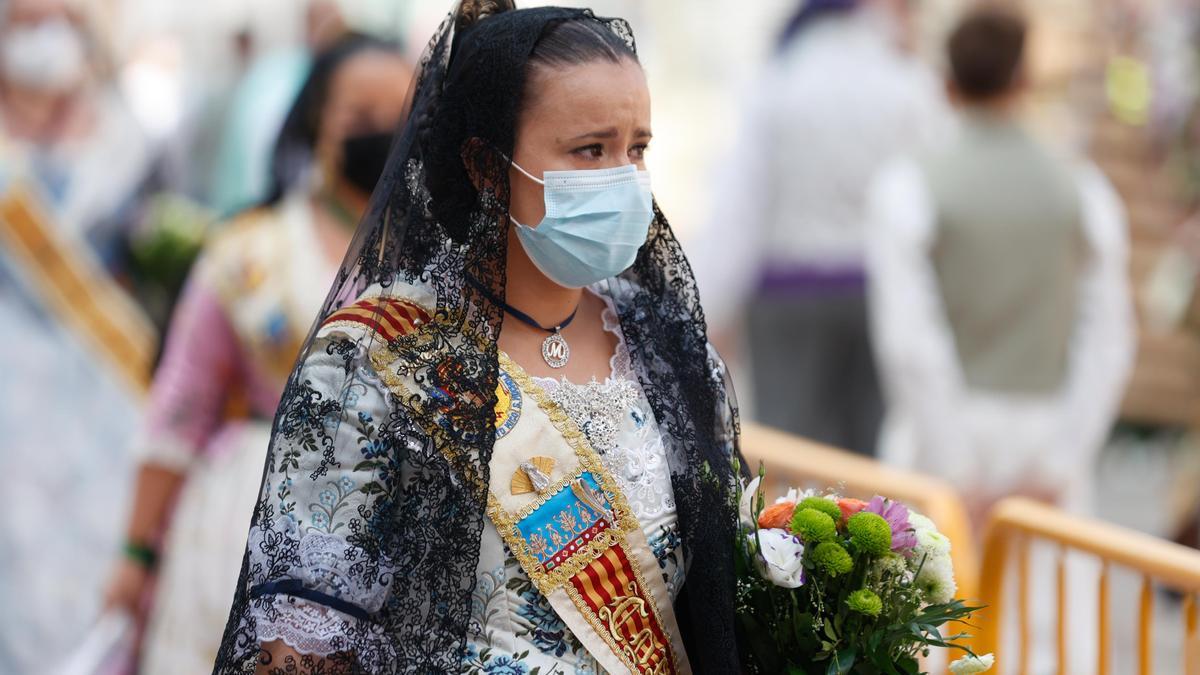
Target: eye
594,151
639,151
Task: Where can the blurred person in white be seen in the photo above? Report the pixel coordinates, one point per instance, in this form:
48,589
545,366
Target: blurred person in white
841,95
235,334
63,123
71,162
1001,313
1000,303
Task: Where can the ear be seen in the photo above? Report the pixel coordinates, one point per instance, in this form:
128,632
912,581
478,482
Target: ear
477,157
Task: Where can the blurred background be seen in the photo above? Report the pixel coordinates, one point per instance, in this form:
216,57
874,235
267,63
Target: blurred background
157,157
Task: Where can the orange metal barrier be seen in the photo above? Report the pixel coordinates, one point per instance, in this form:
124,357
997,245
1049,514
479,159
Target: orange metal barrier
1016,522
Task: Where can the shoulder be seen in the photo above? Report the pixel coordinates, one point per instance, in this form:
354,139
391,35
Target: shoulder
350,341
386,313
388,318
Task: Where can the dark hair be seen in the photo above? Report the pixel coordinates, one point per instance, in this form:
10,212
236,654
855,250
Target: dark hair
571,43
298,135
495,51
574,43
985,51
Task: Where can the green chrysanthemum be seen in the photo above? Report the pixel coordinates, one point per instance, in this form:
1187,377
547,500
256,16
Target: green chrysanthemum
864,601
826,506
870,533
813,526
832,559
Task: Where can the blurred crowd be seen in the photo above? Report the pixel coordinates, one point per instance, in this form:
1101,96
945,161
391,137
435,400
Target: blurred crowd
922,231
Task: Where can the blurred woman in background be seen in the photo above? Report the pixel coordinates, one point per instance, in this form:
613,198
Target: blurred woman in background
237,329
77,348
841,95
63,124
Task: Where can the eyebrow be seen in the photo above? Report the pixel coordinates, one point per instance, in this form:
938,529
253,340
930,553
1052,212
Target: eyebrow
610,132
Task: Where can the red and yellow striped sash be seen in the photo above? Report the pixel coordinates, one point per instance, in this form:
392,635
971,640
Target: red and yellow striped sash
389,317
609,588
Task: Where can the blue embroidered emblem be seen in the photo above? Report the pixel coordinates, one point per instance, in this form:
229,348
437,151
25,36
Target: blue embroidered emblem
509,402
560,526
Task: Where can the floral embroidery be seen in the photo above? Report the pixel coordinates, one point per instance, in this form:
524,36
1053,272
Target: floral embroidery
374,451
484,662
489,590
331,500
549,634
665,545
506,665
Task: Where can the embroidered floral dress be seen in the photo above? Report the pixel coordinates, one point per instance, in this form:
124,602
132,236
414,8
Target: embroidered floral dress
513,631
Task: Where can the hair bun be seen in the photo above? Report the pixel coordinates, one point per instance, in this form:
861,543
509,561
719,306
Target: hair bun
471,12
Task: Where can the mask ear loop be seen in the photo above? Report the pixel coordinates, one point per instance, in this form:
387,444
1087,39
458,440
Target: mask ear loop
528,175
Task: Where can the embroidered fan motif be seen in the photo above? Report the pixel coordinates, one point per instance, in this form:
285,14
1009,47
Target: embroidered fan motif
524,482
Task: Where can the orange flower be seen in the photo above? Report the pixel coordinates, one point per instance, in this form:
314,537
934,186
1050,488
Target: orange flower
850,507
777,515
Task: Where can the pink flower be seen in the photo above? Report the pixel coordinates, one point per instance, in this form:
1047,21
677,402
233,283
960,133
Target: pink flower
904,539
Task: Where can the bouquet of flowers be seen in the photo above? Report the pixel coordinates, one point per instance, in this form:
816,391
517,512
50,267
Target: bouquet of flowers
829,585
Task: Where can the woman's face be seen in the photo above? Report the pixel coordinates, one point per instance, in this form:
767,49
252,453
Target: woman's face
366,96
590,116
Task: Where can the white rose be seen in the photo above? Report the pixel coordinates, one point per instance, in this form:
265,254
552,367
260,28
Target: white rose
969,665
780,558
936,580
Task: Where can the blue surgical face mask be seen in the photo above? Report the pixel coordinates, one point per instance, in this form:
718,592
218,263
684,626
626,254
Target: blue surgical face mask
596,220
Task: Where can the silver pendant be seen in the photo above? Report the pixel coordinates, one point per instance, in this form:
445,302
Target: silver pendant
555,350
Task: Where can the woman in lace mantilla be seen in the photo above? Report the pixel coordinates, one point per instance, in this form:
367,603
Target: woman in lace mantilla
506,448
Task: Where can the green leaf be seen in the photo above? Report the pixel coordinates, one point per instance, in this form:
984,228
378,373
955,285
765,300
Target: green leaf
367,465
830,632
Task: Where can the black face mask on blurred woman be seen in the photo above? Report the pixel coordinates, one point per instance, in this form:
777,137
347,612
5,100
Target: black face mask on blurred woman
364,157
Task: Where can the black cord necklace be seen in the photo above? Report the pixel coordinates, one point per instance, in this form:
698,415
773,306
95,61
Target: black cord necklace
555,350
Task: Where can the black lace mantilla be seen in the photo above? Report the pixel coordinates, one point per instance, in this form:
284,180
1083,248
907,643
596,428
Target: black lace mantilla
364,543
